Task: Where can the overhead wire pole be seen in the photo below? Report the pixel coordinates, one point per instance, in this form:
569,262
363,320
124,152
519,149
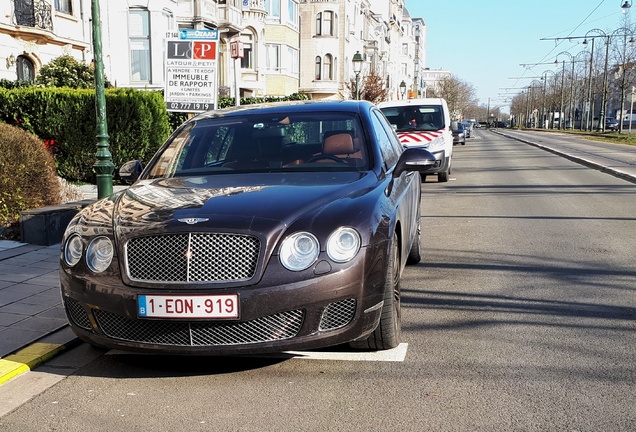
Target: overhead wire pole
600,33
626,32
561,122
544,77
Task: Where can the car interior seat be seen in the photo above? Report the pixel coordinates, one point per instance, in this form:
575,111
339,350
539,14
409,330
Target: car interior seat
342,145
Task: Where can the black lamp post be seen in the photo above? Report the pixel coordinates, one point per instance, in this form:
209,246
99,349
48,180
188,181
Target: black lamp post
104,167
357,68
403,89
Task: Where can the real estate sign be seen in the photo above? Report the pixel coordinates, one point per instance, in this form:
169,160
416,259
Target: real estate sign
191,70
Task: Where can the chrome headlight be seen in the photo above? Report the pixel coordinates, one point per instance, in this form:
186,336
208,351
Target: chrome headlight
343,244
73,250
299,251
99,254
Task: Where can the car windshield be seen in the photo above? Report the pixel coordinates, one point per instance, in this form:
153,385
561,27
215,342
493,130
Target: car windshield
264,143
415,117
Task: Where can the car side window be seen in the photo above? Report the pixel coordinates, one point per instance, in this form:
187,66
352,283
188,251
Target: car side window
390,154
395,142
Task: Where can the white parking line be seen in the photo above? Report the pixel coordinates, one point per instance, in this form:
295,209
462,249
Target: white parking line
397,354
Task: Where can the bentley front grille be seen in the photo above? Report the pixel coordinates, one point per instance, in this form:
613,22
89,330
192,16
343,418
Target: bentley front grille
76,313
192,257
338,314
281,326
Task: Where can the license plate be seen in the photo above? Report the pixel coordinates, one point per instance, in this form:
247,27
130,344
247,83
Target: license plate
195,306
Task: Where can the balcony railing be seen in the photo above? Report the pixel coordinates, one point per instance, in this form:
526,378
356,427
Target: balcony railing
33,13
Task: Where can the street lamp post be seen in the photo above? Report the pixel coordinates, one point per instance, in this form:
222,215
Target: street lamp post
626,6
104,167
357,68
403,89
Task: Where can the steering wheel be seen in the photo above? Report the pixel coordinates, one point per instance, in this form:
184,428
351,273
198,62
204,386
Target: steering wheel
326,156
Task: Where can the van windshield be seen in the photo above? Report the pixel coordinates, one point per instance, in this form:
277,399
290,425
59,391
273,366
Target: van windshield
415,117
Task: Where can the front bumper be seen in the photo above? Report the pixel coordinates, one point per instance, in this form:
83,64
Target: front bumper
337,306
442,163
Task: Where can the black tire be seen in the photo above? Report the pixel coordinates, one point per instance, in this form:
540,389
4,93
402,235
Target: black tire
423,178
442,177
389,331
415,254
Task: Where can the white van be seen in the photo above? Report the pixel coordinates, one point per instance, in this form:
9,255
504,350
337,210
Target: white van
424,123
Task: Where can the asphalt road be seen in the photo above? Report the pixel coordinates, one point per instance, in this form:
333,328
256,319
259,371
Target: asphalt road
522,317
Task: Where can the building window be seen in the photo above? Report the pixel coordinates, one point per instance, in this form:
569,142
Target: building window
318,71
324,24
64,6
273,8
139,33
327,67
247,62
293,56
272,61
25,69
292,10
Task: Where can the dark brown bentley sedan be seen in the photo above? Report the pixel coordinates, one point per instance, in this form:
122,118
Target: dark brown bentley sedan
253,229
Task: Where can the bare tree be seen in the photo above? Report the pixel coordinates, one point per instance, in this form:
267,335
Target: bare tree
372,88
459,95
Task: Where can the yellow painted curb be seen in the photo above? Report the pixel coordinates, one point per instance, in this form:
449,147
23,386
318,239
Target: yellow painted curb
26,359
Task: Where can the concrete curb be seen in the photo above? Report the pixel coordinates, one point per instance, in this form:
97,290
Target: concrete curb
37,353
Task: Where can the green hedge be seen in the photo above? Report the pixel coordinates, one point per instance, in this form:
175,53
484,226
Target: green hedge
65,118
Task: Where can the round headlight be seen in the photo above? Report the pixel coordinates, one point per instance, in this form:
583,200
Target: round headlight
99,254
343,244
73,250
299,251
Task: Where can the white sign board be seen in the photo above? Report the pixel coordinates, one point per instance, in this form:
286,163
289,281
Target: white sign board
191,70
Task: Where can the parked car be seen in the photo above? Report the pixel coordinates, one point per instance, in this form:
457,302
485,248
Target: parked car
459,133
424,123
253,229
468,128
611,124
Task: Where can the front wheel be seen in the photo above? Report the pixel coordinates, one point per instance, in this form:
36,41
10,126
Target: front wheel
389,331
415,254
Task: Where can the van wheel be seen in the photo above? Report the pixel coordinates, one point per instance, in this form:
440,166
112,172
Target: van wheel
442,177
423,178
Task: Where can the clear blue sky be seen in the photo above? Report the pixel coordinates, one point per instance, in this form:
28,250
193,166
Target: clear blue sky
483,42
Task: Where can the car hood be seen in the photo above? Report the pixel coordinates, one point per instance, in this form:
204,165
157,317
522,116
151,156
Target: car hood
238,203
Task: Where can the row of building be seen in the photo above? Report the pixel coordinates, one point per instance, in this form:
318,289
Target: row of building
288,46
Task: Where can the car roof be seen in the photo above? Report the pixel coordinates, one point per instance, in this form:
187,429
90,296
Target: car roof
415,101
287,107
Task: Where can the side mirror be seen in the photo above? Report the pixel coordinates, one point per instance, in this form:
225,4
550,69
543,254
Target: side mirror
414,159
130,171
